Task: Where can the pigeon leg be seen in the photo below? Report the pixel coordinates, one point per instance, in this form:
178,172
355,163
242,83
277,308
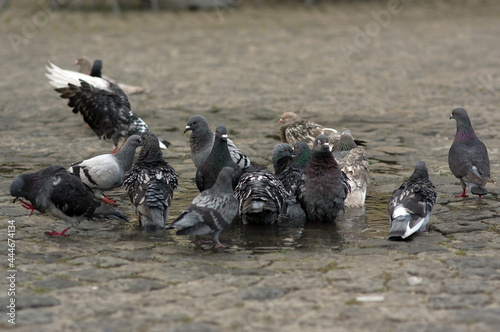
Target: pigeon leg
54,233
200,241
462,194
28,206
108,200
219,245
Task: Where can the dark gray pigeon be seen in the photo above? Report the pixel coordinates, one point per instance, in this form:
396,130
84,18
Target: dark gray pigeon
261,196
282,157
105,172
54,191
468,156
211,211
323,187
150,184
410,206
353,161
103,105
219,157
202,139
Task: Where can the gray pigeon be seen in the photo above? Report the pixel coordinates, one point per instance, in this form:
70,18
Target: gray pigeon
103,105
282,157
219,157
150,184
54,191
211,211
202,139
261,196
410,206
105,172
323,187
353,161
468,156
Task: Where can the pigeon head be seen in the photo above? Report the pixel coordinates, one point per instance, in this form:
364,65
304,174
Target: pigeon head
96,69
346,141
321,142
420,171
282,150
150,150
288,117
464,126
221,131
302,153
196,122
134,141
17,187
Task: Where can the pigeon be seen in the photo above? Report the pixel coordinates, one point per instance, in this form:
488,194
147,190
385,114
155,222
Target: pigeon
103,105
105,172
282,157
410,205
323,187
299,161
353,161
290,175
293,129
56,192
219,157
150,184
87,67
468,156
202,139
211,211
261,196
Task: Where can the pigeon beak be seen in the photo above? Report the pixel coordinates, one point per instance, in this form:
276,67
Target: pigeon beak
451,117
326,144
15,199
280,121
224,136
188,128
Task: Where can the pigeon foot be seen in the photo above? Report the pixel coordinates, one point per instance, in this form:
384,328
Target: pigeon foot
462,194
109,200
28,206
54,233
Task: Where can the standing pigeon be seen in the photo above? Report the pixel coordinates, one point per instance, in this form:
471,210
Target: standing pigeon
261,196
105,172
410,205
219,157
202,139
54,191
293,129
323,187
353,161
103,105
211,211
150,184
87,67
468,156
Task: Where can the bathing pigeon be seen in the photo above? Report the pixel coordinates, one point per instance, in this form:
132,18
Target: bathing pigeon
410,205
282,157
219,157
293,129
323,187
150,184
105,172
211,211
353,161
468,156
94,69
261,197
202,139
103,105
54,191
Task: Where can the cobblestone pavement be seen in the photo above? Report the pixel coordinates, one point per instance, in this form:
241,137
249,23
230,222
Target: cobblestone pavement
390,71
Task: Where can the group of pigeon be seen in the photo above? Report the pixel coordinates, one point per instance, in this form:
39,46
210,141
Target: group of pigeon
318,172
